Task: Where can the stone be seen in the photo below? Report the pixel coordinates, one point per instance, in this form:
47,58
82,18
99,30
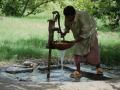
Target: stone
14,70
30,64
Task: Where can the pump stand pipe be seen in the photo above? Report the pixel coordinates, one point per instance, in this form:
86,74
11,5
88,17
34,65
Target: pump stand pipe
51,30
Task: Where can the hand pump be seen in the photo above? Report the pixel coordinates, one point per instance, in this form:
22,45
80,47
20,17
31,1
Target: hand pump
51,30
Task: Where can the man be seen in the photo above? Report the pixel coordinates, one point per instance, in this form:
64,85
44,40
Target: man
83,27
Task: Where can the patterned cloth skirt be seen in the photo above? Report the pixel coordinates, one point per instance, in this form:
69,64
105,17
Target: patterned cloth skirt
92,58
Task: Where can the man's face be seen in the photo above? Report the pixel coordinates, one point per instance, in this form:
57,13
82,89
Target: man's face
70,18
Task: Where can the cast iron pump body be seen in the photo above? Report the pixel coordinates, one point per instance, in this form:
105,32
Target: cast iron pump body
51,30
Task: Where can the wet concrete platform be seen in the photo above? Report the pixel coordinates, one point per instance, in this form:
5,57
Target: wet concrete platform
7,84
39,74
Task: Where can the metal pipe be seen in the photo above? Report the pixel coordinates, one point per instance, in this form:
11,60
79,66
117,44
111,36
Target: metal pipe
49,62
50,40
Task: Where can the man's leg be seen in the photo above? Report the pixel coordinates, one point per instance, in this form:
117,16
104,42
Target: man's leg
77,62
99,70
93,57
76,74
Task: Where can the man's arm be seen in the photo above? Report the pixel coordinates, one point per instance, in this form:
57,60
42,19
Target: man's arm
67,28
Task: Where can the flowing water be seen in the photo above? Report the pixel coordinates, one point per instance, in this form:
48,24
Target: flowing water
62,54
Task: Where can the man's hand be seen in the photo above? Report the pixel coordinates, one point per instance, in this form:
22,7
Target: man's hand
78,40
73,41
63,34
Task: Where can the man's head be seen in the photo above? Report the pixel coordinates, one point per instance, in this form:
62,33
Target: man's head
69,13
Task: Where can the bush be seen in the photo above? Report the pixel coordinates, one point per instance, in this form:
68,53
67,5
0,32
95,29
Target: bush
11,8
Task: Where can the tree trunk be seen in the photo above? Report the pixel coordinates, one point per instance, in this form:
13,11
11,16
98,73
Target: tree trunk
24,9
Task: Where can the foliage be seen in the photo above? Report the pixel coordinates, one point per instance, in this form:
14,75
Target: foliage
108,10
21,7
11,7
84,5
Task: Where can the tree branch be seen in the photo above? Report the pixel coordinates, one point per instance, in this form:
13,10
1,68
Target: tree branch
38,6
25,7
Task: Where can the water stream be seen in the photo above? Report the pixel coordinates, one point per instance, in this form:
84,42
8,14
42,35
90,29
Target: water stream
62,54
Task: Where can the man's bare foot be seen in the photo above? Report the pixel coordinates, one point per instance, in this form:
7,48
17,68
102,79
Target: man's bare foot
75,74
99,71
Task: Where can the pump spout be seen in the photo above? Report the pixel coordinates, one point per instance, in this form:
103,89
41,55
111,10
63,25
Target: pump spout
56,17
52,28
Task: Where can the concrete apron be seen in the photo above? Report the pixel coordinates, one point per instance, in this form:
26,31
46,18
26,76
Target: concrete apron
7,84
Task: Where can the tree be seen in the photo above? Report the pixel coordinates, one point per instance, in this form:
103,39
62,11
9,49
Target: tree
101,9
25,7
21,7
109,8
10,7
32,6
86,5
